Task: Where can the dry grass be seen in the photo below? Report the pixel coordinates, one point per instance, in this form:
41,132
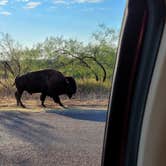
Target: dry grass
91,89
90,94
87,89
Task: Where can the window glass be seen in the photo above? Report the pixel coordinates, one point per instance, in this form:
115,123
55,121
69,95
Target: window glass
56,64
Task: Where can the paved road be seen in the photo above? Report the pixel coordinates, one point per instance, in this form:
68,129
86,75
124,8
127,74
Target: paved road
51,138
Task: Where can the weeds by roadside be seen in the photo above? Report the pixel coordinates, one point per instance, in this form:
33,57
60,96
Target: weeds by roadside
88,89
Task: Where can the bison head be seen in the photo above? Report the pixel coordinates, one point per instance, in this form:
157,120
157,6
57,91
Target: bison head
71,86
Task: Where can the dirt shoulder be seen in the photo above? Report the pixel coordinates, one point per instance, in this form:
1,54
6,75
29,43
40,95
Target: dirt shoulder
33,105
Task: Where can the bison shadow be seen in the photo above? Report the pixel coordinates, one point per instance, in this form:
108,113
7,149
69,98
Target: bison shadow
80,114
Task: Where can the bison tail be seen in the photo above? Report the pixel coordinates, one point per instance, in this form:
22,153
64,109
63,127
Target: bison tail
13,84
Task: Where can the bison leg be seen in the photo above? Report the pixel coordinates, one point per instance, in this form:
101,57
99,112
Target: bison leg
17,99
18,95
42,98
57,100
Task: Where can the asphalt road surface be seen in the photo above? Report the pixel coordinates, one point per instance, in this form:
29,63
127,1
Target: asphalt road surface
52,138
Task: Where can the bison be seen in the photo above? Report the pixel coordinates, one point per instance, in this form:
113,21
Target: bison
48,82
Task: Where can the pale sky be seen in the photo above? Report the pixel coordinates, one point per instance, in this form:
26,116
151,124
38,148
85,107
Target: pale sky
32,21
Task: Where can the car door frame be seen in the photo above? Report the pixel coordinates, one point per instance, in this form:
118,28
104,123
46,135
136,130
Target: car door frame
139,44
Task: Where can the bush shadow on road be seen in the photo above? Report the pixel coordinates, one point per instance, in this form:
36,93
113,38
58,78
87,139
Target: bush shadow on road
21,125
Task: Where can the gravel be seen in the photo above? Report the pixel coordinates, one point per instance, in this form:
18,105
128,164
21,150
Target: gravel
52,138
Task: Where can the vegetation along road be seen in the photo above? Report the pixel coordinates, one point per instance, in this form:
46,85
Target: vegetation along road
52,138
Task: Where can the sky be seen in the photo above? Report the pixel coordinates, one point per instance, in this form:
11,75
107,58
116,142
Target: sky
31,21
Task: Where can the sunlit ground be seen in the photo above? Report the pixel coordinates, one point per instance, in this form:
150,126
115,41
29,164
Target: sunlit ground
33,105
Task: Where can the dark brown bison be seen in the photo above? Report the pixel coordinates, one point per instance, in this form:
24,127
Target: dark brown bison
48,82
